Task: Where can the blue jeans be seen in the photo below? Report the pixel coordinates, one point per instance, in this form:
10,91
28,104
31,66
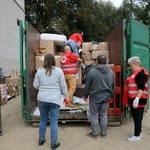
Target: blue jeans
73,46
47,109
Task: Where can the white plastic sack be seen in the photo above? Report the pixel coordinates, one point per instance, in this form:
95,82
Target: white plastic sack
36,112
62,105
57,38
79,100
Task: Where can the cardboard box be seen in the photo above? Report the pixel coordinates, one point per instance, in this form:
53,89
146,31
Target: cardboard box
39,60
107,61
88,56
50,47
3,90
3,101
103,45
86,62
83,55
41,52
13,90
58,59
100,52
43,44
86,46
94,47
12,81
50,50
79,79
47,46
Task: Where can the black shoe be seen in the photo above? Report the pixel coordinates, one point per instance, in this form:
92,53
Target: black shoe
90,134
55,146
41,142
1,133
103,135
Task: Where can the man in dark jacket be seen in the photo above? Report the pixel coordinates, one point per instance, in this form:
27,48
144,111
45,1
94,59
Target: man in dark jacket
99,87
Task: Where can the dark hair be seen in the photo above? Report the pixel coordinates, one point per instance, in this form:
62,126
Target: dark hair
49,62
101,59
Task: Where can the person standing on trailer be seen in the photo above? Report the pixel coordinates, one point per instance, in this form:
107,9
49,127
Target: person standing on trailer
69,63
75,42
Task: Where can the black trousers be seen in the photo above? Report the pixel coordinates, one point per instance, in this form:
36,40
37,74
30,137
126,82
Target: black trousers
0,117
137,115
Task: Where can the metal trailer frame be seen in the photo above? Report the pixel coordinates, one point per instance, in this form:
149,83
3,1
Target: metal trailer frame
124,41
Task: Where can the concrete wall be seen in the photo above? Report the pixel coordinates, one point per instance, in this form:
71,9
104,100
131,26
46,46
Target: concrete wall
10,12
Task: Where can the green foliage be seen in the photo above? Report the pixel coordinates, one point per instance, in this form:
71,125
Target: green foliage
138,9
95,18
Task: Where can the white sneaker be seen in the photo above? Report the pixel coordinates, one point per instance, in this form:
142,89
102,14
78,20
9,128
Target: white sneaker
134,138
141,134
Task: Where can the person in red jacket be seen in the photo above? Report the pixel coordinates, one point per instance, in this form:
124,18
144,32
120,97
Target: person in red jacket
69,66
135,95
75,42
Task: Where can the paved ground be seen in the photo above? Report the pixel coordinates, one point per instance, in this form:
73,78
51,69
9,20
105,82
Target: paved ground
18,135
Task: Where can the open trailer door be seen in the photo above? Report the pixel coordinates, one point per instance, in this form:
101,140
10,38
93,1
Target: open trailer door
29,43
139,44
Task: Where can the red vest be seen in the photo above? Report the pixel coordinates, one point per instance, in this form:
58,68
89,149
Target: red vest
69,66
131,89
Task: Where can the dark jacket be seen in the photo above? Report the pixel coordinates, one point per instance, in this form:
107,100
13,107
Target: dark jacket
99,79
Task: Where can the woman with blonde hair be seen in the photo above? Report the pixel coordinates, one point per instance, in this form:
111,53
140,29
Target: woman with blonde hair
136,94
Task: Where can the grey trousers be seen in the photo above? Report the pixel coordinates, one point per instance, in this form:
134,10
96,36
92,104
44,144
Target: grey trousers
98,106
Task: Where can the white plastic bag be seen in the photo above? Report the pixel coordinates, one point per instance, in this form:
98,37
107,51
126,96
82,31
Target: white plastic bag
36,112
79,100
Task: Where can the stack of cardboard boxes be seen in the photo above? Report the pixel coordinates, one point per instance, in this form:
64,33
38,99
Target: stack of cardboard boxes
49,46
91,51
3,94
46,47
13,84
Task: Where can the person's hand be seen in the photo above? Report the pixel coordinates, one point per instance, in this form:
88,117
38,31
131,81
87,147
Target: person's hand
85,99
136,102
110,100
66,101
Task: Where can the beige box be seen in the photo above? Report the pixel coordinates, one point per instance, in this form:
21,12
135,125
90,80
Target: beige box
50,50
40,54
41,51
12,81
94,47
79,80
107,61
13,89
43,44
100,52
86,46
4,101
83,55
103,45
58,60
88,56
86,62
39,60
47,46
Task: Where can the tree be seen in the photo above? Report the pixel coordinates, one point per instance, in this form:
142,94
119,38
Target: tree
95,18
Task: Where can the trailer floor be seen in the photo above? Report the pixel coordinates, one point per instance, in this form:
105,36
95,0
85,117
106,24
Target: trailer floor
18,135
